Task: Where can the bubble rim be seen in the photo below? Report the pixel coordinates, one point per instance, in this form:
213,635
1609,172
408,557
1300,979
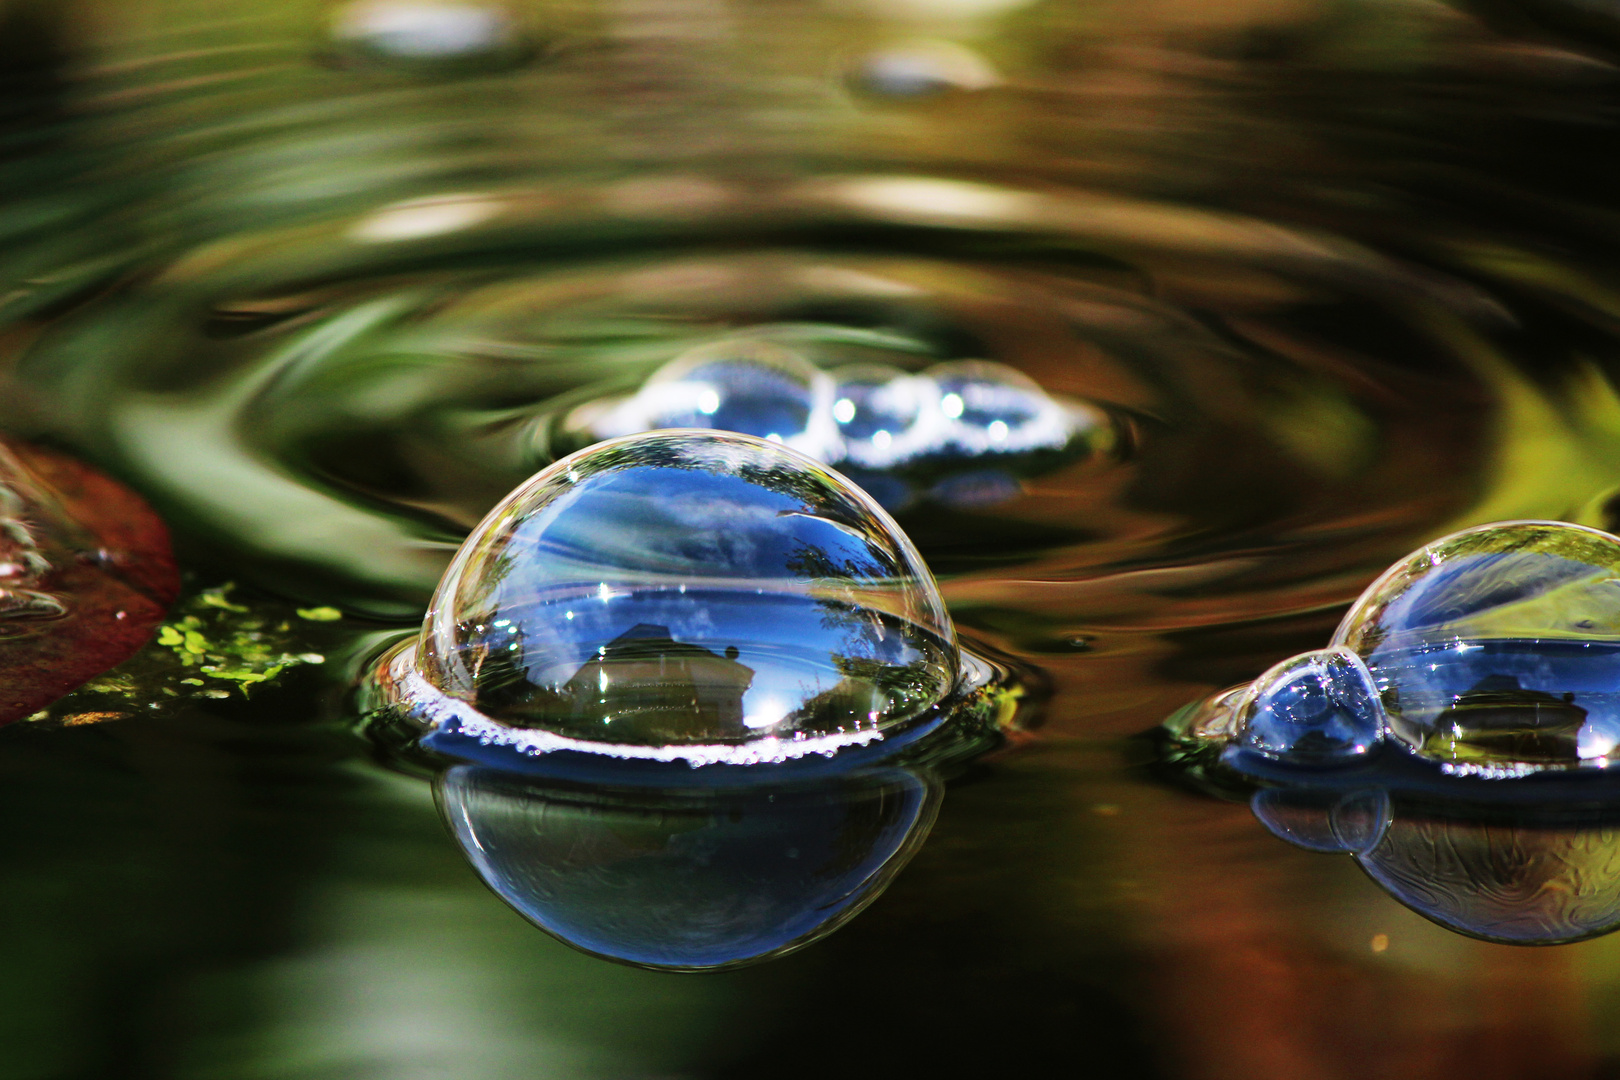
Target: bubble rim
404,688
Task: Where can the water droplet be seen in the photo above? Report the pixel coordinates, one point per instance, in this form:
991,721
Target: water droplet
732,601
1316,708
693,883
1499,647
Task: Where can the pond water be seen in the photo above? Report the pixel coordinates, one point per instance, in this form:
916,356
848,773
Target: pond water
1262,294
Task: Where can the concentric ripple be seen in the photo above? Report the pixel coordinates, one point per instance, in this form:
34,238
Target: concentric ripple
1131,371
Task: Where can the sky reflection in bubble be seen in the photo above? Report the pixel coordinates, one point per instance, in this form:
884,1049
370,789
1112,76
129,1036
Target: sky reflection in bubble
1455,738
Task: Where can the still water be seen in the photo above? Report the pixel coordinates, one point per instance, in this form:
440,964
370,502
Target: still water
1297,284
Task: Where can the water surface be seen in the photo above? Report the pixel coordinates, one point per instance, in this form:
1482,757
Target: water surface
1338,275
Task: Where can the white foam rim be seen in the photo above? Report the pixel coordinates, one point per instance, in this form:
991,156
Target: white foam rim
406,688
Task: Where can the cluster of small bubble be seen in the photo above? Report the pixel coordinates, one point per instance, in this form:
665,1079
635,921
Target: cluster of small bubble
1494,652
874,416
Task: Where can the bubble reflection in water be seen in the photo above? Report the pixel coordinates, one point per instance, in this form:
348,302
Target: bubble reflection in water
693,883
1524,875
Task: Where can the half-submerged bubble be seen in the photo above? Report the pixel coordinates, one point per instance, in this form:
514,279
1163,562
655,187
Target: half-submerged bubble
749,387
941,432
683,596
994,409
1498,649
1319,708
882,414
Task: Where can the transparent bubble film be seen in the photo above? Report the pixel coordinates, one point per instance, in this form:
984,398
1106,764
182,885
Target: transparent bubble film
945,424
683,596
1494,651
1320,707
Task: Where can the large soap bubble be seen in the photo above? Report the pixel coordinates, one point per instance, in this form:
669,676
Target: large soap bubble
683,596
1499,645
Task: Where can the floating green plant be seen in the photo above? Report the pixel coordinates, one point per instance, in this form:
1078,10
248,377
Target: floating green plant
214,646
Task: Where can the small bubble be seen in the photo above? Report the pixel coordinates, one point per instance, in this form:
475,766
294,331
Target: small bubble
751,387
1315,708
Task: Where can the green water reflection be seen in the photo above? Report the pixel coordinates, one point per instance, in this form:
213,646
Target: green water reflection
1338,271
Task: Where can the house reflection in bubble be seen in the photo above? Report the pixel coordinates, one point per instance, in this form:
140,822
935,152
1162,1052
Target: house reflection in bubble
646,677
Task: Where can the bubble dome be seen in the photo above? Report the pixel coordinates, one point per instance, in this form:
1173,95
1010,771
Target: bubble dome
682,595
1494,651
1501,643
